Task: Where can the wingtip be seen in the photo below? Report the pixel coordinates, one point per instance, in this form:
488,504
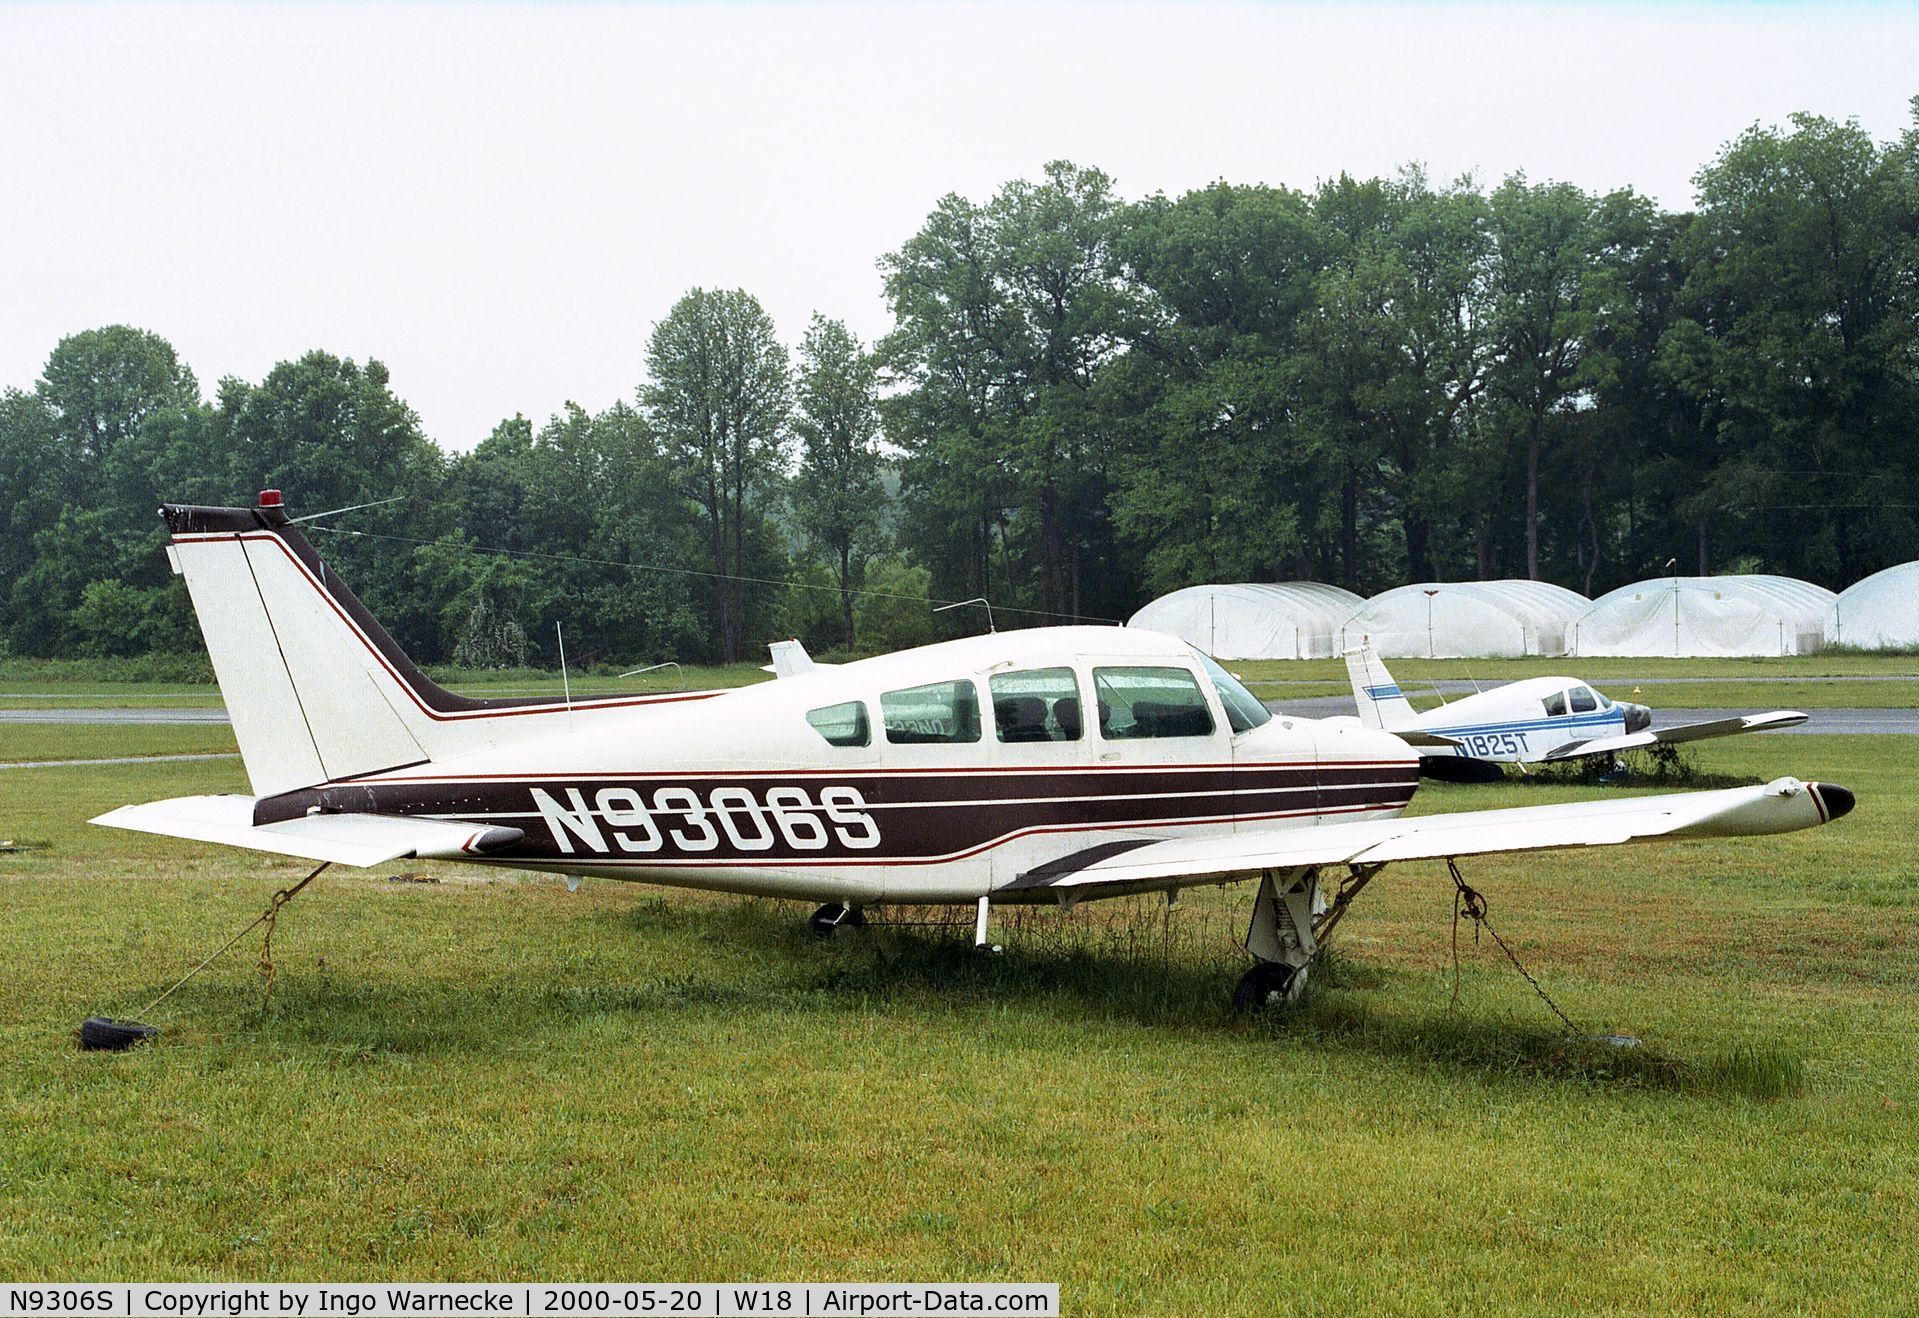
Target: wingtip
1838,801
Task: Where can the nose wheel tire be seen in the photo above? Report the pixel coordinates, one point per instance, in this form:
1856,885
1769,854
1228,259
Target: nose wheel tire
1267,985
834,916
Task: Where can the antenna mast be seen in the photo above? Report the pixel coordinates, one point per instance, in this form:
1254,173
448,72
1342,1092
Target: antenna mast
566,685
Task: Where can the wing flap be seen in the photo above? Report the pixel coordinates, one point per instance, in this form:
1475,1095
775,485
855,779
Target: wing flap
363,840
1782,806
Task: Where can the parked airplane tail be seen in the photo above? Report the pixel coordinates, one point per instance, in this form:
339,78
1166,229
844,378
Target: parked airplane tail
1380,701
317,689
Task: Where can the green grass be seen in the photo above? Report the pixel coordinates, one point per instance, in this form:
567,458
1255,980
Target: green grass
79,741
1861,693
1812,682
490,1077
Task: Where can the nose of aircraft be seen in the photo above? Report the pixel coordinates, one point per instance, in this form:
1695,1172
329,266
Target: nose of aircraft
1839,801
1638,717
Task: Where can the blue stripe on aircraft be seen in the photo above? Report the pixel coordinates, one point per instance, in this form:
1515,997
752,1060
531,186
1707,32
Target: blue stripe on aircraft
1536,725
1383,692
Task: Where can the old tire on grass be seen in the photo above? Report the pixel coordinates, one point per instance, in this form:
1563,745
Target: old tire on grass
101,1034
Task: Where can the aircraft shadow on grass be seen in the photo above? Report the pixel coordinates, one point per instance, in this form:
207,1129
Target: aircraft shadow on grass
1159,976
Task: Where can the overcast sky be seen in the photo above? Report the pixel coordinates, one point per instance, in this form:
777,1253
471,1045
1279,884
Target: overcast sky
499,200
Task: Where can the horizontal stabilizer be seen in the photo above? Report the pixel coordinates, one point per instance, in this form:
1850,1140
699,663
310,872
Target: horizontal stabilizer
1412,738
356,839
1725,727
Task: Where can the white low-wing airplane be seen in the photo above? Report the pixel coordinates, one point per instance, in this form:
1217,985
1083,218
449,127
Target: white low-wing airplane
1051,765
1538,719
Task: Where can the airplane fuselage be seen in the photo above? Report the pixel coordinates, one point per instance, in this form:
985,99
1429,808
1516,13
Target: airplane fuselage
1522,721
911,778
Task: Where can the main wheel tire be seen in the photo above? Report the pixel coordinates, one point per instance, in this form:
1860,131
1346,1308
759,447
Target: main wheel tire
1266,985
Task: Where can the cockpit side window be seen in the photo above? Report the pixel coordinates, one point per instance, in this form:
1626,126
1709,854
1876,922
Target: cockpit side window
842,725
1150,702
1040,704
1555,704
1583,702
938,713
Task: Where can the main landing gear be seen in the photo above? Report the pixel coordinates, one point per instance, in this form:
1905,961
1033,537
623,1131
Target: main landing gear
1291,920
834,916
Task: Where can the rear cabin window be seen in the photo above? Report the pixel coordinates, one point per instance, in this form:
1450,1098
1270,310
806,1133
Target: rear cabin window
1555,704
1040,704
938,713
1583,702
1150,702
842,725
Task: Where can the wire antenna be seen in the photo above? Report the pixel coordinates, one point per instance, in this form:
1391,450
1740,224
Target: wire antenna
674,664
960,604
350,508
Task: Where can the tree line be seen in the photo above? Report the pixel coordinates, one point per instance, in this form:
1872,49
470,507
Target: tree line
1082,402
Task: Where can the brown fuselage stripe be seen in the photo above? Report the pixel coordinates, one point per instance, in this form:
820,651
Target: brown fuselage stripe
919,818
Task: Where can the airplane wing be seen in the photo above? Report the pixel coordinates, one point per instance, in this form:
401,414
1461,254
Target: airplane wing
1145,864
1412,738
1725,727
346,839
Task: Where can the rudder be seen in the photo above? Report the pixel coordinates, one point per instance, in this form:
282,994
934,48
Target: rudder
304,705
1380,701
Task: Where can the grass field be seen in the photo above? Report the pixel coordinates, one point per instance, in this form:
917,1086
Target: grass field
491,1077
1808,682
1837,681
28,742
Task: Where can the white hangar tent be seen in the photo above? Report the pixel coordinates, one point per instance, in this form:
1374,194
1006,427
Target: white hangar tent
1466,620
1706,616
1290,620
1880,612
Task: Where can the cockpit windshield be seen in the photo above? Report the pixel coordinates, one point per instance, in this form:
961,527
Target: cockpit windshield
1243,710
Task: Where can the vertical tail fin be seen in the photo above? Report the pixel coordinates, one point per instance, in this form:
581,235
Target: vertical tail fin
1381,703
316,687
